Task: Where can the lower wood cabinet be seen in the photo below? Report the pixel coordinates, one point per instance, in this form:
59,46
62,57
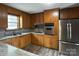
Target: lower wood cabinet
20,41
8,41
37,39
24,41
51,41
45,40
15,42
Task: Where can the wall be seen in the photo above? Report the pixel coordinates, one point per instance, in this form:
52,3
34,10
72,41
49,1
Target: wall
5,10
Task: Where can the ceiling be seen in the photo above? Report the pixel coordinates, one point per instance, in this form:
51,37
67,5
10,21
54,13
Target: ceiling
38,7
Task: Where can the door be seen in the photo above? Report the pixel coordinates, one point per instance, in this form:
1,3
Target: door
64,25
74,34
69,49
70,30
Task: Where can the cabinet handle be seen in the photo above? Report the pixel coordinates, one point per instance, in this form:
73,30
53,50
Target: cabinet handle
68,30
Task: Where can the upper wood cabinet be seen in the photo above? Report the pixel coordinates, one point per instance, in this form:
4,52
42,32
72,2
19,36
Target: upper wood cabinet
37,18
3,16
69,13
25,20
51,15
41,18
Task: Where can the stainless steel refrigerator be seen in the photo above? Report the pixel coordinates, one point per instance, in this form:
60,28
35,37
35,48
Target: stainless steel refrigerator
69,37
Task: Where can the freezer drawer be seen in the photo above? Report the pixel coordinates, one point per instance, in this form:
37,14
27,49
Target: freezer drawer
69,49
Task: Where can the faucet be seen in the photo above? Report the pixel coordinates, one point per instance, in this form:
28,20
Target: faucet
13,32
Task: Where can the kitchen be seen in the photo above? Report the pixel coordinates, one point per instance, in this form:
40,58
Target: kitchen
26,31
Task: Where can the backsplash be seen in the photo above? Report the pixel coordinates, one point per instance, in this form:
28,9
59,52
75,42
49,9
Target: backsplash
13,32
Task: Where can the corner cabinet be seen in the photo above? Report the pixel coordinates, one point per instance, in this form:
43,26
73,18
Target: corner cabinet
37,18
3,16
37,39
69,13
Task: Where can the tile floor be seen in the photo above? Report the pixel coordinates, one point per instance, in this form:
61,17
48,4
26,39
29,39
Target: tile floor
41,51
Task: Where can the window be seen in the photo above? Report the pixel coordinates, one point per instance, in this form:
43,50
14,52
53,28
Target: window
13,22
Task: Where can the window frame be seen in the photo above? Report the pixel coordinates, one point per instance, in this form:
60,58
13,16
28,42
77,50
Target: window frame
18,23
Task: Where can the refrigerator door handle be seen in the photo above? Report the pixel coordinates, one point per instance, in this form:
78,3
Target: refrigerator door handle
70,31
68,36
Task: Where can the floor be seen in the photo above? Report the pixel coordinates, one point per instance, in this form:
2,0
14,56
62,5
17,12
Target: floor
41,51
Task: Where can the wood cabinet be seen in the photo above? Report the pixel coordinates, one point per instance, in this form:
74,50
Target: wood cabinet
69,13
51,15
37,18
20,41
8,41
56,28
25,20
24,40
54,42
51,41
3,16
41,18
15,42
32,20
37,39
45,40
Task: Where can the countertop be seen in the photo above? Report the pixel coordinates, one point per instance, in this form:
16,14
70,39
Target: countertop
8,37
8,50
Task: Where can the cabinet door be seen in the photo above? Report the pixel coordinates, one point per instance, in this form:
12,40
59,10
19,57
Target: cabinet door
8,41
56,28
51,15
3,16
37,18
22,41
25,20
47,41
54,42
15,42
41,18
51,41
47,16
55,15
37,39
32,20
69,13
28,39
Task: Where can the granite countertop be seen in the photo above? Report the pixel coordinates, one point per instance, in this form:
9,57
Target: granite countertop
8,50
8,37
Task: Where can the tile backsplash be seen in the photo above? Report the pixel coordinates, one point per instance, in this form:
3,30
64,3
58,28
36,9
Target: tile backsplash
11,32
